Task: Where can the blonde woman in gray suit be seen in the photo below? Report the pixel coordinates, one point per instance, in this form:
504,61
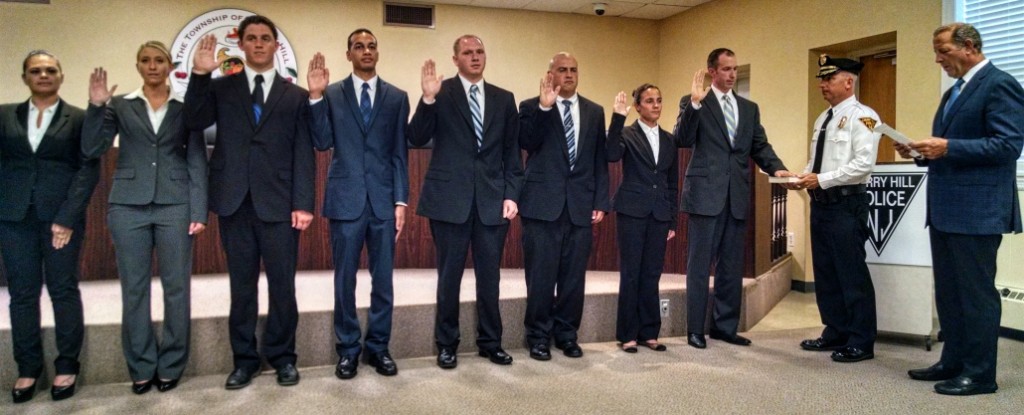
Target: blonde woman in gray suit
157,204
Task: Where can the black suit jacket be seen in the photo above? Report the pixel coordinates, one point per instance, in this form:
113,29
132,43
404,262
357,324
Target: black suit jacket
272,161
57,179
647,188
459,175
550,186
718,171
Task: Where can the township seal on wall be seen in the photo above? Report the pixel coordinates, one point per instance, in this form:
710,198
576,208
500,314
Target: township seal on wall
223,23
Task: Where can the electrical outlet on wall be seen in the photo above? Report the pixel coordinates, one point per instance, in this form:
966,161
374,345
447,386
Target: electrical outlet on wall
790,240
664,307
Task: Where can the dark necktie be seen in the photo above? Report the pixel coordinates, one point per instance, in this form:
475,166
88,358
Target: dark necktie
364,103
570,133
954,93
257,98
819,148
478,125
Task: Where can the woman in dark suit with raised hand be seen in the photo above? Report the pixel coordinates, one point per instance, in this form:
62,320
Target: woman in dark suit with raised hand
157,204
645,207
46,186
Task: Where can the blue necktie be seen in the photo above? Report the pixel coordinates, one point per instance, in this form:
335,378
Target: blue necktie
257,98
954,93
364,104
570,133
478,125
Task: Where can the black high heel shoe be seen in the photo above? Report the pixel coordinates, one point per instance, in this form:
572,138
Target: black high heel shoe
141,388
166,385
22,395
59,393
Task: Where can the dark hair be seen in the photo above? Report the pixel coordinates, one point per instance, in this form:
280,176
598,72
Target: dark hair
961,33
713,56
37,52
256,19
455,46
639,92
358,31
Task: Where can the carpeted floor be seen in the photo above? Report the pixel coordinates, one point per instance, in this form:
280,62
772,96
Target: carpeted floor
774,376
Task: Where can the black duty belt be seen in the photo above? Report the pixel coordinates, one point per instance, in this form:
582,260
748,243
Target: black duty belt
835,194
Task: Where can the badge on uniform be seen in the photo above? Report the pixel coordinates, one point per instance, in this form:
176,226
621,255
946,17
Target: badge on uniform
842,122
869,122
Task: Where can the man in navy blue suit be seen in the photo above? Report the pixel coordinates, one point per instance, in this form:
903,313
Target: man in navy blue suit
977,137
364,119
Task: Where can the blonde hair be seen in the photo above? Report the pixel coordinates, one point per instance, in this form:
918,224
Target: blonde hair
155,44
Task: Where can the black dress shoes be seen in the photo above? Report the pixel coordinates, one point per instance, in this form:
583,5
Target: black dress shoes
570,349
447,359
240,378
141,388
540,351
166,385
287,375
821,345
963,386
59,393
497,356
934,372
851,354
729,338
696,340
384,364
22,395
348,367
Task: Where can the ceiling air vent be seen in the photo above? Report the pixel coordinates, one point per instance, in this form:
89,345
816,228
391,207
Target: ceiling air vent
409,15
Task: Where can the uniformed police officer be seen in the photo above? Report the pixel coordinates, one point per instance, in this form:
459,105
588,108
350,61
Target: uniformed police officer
843,148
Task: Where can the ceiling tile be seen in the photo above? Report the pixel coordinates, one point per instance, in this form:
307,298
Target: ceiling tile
655,12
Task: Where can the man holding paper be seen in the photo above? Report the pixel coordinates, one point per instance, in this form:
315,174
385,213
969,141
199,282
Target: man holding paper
977,135
843,151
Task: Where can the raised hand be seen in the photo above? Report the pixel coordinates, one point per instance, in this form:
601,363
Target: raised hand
620,106
204,61
548,94
430,80
318,76
98,93
697,90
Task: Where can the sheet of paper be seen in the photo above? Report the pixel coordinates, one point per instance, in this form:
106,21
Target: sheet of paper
896,136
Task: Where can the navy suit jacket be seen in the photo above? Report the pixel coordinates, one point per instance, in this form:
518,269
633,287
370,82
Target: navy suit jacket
273,161
459,176
57,179
647,188
972,190
180,175
550,186
717,171
369,161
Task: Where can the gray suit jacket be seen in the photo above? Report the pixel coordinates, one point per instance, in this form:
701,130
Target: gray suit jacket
717,171
165,167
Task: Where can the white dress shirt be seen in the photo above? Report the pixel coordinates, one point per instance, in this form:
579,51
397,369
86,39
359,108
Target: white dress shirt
268,80
653,138
479,94
36,132
575,109
156,116
358,82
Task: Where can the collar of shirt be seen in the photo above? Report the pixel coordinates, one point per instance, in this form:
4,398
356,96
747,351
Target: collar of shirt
973,71
268,80
156,116
842,106
732,97
575,100
479,96
49,111
653,137
35,134
358,82
138,94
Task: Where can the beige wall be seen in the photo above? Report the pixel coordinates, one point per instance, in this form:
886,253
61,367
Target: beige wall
774,37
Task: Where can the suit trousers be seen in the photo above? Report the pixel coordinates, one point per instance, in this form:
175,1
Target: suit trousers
31,261
452,242
555,255
137,231
247,240
842,282
347,240
642,243
720,239
968,304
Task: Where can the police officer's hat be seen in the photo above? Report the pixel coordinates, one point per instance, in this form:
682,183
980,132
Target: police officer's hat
828,65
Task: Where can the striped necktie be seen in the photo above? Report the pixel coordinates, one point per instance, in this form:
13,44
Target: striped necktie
478,125
570,133
730,118
364,104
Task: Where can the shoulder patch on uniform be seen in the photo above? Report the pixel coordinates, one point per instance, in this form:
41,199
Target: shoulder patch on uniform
868,121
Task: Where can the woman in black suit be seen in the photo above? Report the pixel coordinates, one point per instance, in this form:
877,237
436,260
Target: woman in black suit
46,186
645,207
157,205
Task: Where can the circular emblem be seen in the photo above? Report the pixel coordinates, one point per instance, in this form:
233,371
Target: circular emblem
223,23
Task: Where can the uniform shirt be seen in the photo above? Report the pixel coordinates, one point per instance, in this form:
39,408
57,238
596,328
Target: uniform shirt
850,147
36,132
156,116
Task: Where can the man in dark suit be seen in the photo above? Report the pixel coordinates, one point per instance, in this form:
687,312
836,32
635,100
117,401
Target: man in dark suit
725,132
261,187
977,137
470,191
364,119
565,193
